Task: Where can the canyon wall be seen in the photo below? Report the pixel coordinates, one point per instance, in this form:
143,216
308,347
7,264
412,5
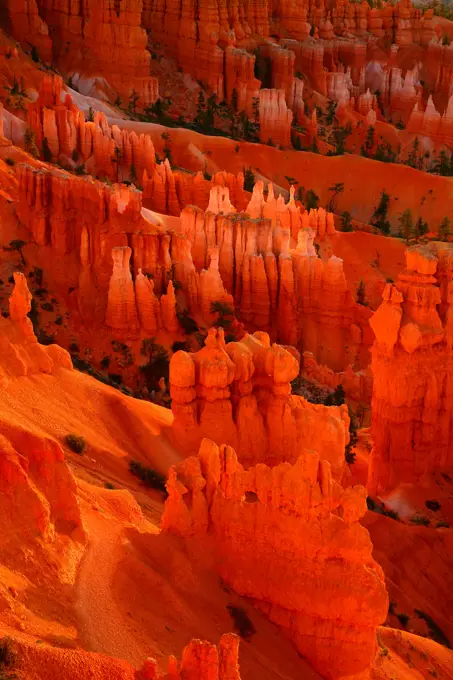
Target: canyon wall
288,537
412,364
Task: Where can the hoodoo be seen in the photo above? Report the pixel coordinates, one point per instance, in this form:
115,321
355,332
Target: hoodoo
412,364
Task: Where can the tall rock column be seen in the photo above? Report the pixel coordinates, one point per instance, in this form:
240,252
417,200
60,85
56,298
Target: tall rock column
412,365
275,118
121,310
20,305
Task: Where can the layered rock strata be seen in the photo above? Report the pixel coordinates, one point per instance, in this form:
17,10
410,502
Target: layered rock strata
77,222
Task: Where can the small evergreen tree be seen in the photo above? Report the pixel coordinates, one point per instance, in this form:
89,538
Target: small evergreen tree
331,108
311,200
46,152
225,314
445,229
297,144
30,143
421,228
337,397
249,179
256,109
345,221
340,135
407,229
361,297
368,145
412,159
441,166
337,189
349,455
379,218
17,244
133,100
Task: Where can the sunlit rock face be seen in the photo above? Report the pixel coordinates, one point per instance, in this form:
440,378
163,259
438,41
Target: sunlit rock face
412,371
288,537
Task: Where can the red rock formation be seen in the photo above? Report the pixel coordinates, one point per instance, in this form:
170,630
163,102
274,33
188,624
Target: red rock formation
77,222
240,393
104,40
169,192
20,352
403,95
412,366
275,118
240,76
121,310
105,151
430,123
289,292
358,386
26,26
36,487
330,604
200,661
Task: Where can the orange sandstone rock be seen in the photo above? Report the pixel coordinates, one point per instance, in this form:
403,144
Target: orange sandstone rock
287,291
411,363
330,604
103,40
201,660
275,118
241,392
105,150
78,222
26,25
121,309
36,486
